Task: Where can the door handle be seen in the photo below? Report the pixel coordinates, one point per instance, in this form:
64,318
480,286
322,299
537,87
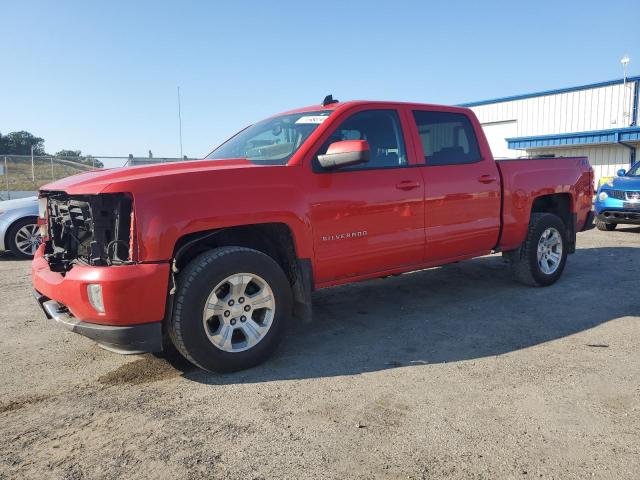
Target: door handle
407,185
487,179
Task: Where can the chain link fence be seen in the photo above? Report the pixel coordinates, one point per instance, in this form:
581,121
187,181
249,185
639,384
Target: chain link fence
23,175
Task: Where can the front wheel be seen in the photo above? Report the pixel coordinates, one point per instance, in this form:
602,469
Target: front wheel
605,227
230,309
542,257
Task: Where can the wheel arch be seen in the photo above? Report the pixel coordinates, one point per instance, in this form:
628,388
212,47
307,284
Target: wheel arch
273,239
561,205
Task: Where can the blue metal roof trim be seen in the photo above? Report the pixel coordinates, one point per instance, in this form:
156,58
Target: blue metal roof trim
628,134
548,92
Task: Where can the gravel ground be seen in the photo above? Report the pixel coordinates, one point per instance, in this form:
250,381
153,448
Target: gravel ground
447,373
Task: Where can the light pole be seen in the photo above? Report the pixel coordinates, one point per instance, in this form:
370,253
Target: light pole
625,111
625,61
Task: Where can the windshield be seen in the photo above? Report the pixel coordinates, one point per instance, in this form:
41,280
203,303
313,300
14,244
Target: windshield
272,141
634,171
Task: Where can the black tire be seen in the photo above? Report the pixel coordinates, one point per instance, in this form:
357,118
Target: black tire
525,264
195,283
605,226
13,231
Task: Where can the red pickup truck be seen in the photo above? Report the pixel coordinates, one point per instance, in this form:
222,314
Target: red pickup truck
217,255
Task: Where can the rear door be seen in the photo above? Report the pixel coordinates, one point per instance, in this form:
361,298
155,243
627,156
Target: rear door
462,186
367,218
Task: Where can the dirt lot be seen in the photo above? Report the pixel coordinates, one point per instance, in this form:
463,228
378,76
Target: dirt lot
446,373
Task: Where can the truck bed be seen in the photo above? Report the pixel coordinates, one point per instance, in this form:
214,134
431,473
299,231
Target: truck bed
526,179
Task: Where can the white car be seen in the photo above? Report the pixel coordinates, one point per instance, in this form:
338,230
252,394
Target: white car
19,230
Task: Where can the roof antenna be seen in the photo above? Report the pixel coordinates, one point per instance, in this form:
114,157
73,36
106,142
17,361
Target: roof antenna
328,100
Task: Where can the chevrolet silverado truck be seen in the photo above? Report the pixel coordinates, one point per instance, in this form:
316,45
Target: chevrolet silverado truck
217,255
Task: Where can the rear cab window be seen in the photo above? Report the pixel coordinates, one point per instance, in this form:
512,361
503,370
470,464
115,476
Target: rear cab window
447,138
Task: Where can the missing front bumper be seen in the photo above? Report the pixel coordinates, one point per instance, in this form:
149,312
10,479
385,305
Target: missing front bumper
129,339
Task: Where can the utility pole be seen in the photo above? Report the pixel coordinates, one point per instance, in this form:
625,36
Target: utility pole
180,121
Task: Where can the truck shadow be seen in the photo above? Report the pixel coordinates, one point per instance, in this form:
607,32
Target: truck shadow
459,312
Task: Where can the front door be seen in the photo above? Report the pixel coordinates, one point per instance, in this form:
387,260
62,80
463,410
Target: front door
368,218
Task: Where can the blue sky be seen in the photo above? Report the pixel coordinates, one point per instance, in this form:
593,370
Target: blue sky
102,76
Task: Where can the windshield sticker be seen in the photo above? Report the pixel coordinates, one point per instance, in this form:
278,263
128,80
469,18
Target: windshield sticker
314,119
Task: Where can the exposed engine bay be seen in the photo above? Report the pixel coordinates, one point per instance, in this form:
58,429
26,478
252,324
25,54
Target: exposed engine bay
88,229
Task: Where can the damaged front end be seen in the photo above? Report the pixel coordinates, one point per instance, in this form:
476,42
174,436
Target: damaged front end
88,229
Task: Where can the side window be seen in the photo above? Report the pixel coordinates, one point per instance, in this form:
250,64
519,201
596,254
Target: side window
381,129
447,138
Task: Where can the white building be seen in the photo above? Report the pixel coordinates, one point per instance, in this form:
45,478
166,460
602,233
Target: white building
600,121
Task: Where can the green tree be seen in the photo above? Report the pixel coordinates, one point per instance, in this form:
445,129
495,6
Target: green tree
20,143
89,160
70,154
76,156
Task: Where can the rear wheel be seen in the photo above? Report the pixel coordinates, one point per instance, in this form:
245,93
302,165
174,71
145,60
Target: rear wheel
542,257
605,226
23,237
231,307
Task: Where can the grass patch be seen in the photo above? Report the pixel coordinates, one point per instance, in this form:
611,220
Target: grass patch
18,173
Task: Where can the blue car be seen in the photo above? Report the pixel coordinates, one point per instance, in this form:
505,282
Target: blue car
618,200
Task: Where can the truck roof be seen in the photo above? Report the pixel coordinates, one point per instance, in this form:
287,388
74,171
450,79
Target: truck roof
352,103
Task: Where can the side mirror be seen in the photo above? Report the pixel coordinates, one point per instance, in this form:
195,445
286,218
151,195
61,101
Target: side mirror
621,172
346,152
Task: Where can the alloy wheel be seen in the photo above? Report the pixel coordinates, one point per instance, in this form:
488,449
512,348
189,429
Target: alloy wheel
239,312
549,251
27,239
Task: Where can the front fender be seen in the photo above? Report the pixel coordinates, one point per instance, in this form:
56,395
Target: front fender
213,200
